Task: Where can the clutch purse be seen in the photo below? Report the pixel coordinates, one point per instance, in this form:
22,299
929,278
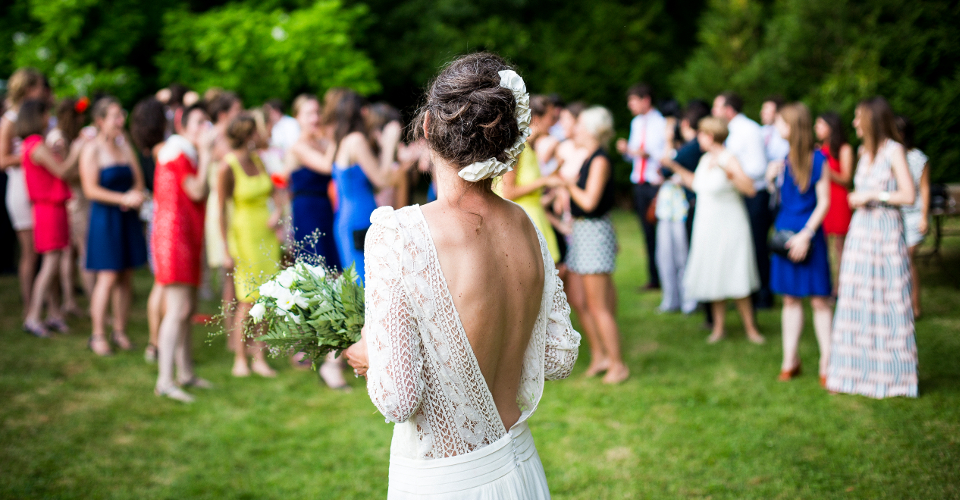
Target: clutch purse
778,244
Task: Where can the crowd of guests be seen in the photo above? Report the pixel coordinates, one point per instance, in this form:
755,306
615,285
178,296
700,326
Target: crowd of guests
730,210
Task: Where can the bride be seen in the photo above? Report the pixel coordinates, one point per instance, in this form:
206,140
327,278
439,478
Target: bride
466,316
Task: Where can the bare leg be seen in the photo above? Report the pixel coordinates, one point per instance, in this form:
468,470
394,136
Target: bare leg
599,361
838,241
26,267
173,328
237,341
792,323
155,312
823,326
122,296
331,371
67,273
597,289
98,311
229,297
258,349
719,309
915,281
745,308
40,289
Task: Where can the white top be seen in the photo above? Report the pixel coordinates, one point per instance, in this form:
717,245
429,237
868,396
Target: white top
423,374
745,142
775,145
284,133
916,161
649,130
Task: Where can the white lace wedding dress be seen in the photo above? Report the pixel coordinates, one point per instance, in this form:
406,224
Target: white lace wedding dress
449,441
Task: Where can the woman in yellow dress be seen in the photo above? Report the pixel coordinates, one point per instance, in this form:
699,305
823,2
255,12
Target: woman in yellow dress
524,185
253,250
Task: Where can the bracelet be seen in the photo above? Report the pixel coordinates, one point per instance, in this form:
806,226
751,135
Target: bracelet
883,197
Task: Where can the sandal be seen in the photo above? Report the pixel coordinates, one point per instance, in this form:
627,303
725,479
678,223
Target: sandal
121,340
150,354
174,393
197,382
37,330
58,325
103,347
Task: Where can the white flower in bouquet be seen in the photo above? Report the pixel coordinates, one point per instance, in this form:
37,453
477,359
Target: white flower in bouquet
257,311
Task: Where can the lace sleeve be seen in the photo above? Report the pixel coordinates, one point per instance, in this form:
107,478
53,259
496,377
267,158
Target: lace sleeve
563,342
394,378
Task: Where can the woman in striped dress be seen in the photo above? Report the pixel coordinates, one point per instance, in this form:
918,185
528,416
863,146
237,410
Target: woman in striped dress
873,350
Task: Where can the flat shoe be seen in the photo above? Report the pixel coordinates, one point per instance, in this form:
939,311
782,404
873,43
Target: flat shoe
57,325
104,349
122,341
174,393
37,331
197,382
787,375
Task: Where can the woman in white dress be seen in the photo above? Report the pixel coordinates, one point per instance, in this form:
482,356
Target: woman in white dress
466,316
721,264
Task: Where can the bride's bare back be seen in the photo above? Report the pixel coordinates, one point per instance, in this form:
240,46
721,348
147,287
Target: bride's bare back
495,275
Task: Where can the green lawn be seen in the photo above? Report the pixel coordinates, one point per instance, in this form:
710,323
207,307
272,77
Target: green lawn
695,421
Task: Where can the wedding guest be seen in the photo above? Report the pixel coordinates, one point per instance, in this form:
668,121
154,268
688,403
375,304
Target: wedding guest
805,271
284,129
43,172
524,184
148,128
180,191
643,149
775,146
71,116
222,107
833,144
745,143
310,163
673,211
378,116
873,351
25,83
357,170
915,216
722,264
253,248
112,181
593,244
510,316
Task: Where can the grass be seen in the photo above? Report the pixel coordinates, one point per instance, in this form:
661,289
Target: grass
694,421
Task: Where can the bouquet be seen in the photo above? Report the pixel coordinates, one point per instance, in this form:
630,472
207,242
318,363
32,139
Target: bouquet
308,309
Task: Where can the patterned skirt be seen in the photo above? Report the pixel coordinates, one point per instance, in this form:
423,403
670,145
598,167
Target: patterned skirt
873,350
593,246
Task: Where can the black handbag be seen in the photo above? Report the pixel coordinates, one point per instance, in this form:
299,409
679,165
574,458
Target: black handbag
778,244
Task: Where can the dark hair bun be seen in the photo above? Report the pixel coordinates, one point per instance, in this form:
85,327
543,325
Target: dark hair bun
240,130
472,118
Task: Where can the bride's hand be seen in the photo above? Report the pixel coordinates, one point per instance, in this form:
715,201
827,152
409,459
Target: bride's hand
357,355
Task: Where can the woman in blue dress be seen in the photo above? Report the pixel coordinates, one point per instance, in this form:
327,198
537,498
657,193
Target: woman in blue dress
357,170
309,162
805,270
111,179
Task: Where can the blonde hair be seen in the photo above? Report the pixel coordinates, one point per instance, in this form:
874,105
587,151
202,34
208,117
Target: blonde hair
714,127
20,83
598,122
300,101
797,116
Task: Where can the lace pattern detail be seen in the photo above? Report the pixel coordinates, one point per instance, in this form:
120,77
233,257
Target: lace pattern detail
423,372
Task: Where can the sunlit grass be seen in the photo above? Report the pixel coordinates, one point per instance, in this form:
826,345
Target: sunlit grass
694,421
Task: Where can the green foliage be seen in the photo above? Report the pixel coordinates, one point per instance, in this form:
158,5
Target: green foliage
833,53
262,54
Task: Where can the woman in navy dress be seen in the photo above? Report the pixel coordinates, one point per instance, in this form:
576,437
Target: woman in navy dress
357,170
805,270
112,181
309,162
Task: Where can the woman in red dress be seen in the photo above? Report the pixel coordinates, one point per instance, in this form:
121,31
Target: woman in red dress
180,194
48,192
833,144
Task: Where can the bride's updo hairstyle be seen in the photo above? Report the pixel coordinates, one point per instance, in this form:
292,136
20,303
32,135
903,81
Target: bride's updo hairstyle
472,118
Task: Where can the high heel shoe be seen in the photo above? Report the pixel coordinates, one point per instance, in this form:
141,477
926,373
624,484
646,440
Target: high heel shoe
790,374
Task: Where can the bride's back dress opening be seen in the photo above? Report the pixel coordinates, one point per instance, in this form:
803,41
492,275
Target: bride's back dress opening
439,385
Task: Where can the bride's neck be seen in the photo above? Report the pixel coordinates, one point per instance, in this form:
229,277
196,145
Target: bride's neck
456,192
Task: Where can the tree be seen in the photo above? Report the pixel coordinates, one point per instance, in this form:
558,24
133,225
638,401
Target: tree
262,54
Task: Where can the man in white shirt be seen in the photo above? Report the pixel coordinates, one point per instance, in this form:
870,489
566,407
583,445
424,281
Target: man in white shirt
644,148
284,129
745,142
775,145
